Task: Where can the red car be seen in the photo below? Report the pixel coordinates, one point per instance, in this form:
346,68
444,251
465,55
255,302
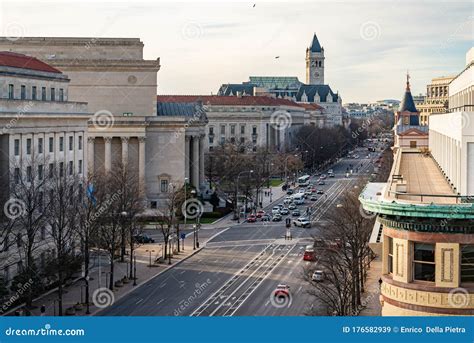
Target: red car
251,219
260,213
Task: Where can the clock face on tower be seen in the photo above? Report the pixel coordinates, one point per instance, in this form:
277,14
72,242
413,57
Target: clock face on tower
316,74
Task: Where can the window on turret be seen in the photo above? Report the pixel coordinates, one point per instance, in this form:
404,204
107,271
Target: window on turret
423,262
390,255
467,263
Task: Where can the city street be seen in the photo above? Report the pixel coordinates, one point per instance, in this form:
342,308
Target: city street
238,270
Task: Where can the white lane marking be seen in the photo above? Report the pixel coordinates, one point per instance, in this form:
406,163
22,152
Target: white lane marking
139,301
163,285
200,271
159,302
184,271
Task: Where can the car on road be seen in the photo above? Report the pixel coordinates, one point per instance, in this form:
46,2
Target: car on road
331,175
309,254
143,239
302,222
321,183
308,192
284,211
275,209
313,190
313,198
266,218
320,191
292,206
289,191
282,291
251,219
296,213
318,276
276,218
260,213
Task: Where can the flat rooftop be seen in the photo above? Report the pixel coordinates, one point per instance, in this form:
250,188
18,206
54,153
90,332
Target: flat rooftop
415,177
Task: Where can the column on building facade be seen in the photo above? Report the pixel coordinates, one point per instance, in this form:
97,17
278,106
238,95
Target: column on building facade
201,159
108,154
125,150
90,154
187,142
141,162
195,162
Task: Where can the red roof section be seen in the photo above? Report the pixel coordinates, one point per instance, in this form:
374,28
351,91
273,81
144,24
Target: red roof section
312,106
228,100
12,59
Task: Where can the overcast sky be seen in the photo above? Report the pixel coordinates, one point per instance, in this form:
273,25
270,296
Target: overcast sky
369,45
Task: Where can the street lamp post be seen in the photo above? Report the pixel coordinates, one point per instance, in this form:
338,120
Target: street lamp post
193,192
149,251
237,200
135,270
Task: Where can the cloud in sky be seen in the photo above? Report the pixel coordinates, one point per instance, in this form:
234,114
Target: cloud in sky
369,45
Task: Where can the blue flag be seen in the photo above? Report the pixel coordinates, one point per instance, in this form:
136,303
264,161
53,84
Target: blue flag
90,193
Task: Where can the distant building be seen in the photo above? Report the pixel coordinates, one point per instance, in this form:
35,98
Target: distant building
409,133
41,131
436,99
289,87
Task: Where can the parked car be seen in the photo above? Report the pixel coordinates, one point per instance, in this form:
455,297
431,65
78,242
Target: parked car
260,213
313,198
302,222
251,219
284,211
318,276
296,213
142,238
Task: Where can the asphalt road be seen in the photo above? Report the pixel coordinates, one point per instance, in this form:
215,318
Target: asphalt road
238,270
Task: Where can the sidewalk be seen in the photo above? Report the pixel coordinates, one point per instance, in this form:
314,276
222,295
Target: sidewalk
370,299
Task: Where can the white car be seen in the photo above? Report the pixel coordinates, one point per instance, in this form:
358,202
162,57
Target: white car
318,276
276,210
302,222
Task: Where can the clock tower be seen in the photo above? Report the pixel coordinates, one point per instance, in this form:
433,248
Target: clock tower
315,63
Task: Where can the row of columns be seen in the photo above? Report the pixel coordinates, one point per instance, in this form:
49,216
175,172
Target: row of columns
108,154
194,159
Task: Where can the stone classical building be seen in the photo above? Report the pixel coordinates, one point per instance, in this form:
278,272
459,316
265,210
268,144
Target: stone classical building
259,121
120,87
436,99
40,131
315,91
409,133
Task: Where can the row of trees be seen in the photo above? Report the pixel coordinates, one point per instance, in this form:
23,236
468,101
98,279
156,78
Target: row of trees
57,218
344,256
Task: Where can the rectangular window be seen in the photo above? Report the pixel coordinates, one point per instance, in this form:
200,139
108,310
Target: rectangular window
71,168
242,140
79,167
222,129
79,142
51,144
40,172
222,140
51,170
23,92
28,174
211,130
254,130
17,175
11,91
423,262
43,93
17,147
61,143
40,145
390,255
33,93
467,263
53,94
164,186
71,143
61,169
211,140
232,129
61,94
242,129
28,146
